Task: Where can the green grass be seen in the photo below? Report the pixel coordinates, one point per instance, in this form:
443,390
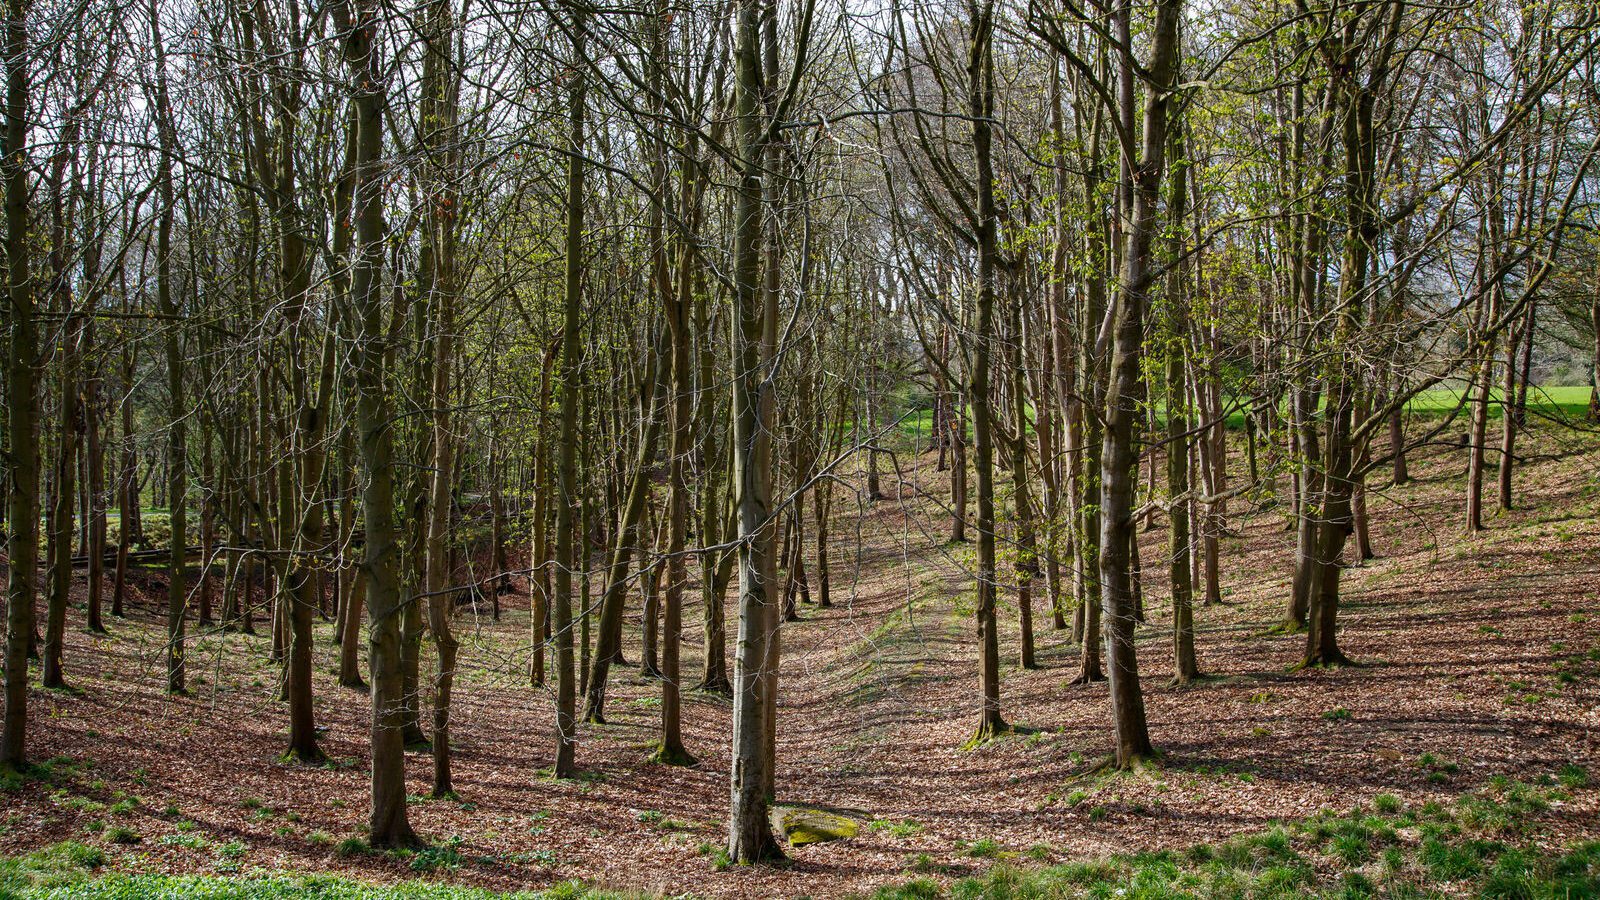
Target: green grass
69,871
1569,402
193,887
1488,845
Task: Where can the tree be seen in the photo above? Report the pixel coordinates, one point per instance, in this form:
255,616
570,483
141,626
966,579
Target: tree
980,77
357,23
567,496
750,836
22,412
1144,165
177,408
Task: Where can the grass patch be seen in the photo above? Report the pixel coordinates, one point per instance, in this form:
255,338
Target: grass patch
984,849
58,864
900,829
77,882
1486,845
444,856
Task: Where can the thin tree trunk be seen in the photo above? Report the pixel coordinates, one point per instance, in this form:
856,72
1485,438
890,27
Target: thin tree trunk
1021,488
1185,666
127,489
676,305
439,115
1509,413
568,489
94,446
177,408
958,473
608,644
59,544
1397,447
980,76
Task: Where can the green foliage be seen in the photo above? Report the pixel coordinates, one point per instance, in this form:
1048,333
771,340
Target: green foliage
1351,849
57,770
900,829
916,889
190,887
122,834
1485,845
445,855
59,864
1448,861
183,839
984,849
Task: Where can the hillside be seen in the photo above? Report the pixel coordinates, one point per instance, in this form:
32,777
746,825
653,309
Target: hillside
1478,664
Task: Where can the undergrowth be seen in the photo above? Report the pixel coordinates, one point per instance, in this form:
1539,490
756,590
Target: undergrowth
1486,845
75,871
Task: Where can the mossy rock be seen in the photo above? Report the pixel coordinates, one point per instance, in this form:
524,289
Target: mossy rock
810,825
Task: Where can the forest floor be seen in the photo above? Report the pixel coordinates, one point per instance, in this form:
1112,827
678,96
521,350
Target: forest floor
1477,657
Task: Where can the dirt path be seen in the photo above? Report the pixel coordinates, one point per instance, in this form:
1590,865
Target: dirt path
1481,654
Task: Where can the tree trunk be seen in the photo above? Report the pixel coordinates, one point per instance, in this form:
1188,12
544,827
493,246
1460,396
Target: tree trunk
750,837
59,544
1397,447
208,528
1119,456
22,398
1333,525
608,644
1509,412
568,488
1185,666
1478,434
439,117
958,473
1021,489
980,76
676,306
177,407
389,827
94,446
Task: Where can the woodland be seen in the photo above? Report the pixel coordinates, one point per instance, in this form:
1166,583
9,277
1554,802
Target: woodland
728,448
